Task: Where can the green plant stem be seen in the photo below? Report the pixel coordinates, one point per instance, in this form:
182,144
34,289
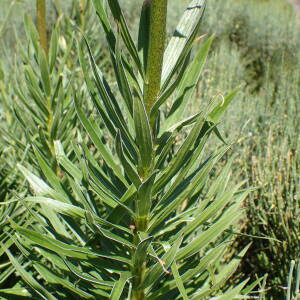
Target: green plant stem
58,7
82,6
138,273
138,295
41,22
158,20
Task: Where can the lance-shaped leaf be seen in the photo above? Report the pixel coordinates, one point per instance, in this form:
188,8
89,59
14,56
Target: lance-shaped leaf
144,32
31,33
118,288
53,278
168,92
129,169
178,281
156,271
107,156
141,252
65,249
182,193
215,207
210,235
121,22
110,103
184,35
48,172
229,295
143,134
73,211
53,49
218,112
144,196
93,92
45,73
225,272
188,84
27,277
181,157
123,82
65,162
210,258
40,187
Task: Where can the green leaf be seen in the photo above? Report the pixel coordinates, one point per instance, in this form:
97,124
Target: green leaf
53,49
129,169
45,73
144,196
210,235
88,278
48,172
40,187
156,271
15,292
122,26
144,33
118,288
31,33
217,205
178,281
52,278
73,211
141,252
231,294
65,162
143,135
112,108
182,193
167,92
211,257
64,249
217,113
26,276
118,212
109,235
188,84
183,37
180,158
107,156
123,82
93,93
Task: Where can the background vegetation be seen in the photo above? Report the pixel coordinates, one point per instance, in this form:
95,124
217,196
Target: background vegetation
256,47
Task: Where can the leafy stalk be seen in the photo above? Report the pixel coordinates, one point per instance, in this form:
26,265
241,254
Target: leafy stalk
134,204
153,66
158,20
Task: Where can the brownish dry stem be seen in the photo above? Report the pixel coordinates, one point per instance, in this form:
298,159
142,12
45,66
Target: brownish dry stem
41,23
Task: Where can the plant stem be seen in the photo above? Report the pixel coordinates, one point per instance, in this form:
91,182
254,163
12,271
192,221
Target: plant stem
82,5
138,295
41,22
158,21
58,7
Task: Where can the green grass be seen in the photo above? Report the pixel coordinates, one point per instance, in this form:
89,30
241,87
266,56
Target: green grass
261,51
